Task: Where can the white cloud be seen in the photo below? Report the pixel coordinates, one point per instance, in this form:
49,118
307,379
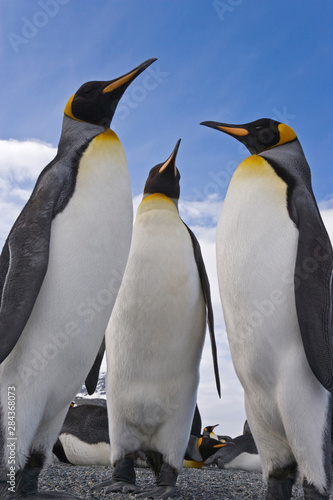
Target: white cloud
21,161
20,165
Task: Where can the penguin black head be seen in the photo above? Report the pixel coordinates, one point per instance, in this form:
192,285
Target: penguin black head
209,429
207,446
96,102
259,135
164,177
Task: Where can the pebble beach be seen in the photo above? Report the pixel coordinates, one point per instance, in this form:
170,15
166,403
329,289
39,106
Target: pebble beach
208,483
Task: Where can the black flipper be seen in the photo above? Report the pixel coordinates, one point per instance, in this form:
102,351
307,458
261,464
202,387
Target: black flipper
206,293
24,260
196,423
313,287
92,378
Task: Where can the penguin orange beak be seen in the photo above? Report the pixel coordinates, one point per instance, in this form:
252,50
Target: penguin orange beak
125,80
221,445
234,130
171,160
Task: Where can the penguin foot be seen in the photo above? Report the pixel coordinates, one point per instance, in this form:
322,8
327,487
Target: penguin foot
280,483
116,486
166,483
122,478
159,492
279,489
311,493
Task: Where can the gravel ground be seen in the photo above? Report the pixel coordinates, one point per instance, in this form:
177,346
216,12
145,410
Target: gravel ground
209,483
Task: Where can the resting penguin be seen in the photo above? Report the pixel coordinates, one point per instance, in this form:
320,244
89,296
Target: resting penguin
84,438
154,339
243,455
274,261
60,271
200,449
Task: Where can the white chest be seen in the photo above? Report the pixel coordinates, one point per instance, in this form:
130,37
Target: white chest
256,253
89,245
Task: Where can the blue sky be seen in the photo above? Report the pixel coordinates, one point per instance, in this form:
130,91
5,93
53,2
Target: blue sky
231,60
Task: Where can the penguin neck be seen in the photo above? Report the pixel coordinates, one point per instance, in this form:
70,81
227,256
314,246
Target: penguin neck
289,159
174,200
76,135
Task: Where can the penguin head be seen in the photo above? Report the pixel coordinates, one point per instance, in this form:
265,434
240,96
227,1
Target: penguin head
96,102
259,135
164,177
209,429
207,446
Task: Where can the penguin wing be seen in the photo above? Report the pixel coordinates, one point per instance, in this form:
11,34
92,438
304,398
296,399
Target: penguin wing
313,287
196,423
92,378
24,261
206,293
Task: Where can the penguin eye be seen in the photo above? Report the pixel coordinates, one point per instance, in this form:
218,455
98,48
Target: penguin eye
88,92
258,127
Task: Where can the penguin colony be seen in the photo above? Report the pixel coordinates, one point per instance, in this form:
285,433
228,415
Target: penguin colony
273,256
84,438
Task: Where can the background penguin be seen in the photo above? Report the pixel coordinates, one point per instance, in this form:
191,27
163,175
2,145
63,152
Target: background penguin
60,271
154,339
84,437
275,277
200,449
243,455
209,432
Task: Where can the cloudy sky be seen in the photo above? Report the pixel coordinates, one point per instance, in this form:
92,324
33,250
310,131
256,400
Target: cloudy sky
228,60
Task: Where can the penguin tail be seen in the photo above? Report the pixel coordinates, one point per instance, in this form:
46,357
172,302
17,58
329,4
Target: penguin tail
155,461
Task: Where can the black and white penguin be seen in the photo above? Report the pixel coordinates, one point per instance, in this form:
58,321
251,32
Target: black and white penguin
200,449
60,271
243,455
154,339
274,261
84,437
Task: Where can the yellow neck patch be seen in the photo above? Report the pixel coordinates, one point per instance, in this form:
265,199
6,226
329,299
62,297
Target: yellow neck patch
286,135
68,108
255,167
158,197
108,135
156,201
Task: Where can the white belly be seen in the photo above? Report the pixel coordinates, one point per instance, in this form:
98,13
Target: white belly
155,335
81,453
245,461
256,254
89,245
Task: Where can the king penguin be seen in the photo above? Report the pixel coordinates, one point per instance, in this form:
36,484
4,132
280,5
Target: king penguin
243,455
154,340
274,261
60,271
